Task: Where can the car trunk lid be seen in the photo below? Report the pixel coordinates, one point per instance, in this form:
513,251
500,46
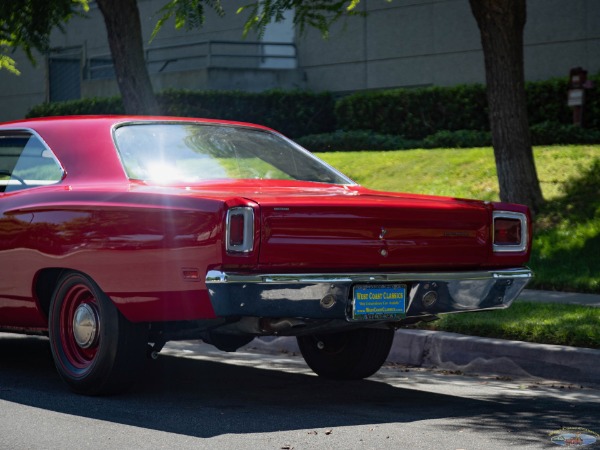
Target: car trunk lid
359,230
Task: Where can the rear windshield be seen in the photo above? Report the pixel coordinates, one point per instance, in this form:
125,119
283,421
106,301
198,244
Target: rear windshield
174,153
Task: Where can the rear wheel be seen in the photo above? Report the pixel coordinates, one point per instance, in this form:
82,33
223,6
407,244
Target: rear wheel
95,349
349,355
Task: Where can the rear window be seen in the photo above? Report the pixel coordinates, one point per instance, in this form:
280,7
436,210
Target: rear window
174,153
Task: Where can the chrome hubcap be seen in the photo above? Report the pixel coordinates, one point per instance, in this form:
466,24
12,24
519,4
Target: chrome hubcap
85,325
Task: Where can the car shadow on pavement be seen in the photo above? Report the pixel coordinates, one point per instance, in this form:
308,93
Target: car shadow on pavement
202,398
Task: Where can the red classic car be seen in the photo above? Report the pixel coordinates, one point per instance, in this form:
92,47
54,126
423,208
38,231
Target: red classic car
119,234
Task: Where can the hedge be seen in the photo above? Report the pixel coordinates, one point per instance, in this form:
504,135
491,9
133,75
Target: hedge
415,113
355,140
418,113
293,113
547,133
455,115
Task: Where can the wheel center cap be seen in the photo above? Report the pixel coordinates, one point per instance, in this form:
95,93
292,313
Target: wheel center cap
85,325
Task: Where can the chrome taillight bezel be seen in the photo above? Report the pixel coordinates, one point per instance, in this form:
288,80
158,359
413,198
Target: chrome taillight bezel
503,248
247,244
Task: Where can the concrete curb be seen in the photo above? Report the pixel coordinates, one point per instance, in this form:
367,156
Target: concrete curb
451,351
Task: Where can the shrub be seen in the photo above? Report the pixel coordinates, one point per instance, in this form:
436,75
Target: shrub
294,113
547,101
414,113
86,106
549,133
458,139
397,118
355,140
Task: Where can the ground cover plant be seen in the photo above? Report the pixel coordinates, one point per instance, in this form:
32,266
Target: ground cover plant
544,323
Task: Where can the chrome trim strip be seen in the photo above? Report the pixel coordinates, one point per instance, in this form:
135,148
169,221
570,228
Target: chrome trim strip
524,229
215,276
248,240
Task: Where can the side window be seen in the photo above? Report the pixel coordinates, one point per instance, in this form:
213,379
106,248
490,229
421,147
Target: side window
25,162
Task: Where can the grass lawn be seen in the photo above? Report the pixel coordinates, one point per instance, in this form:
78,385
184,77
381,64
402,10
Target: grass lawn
544,323
566,248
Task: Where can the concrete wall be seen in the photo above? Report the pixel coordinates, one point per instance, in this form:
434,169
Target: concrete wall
411,43
19,93
249,80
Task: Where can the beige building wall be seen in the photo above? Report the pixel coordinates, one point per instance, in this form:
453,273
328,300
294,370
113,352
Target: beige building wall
413,43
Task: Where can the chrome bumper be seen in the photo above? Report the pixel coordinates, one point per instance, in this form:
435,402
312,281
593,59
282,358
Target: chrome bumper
329,296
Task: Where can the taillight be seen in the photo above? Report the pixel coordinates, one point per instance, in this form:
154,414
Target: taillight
509,231
239,230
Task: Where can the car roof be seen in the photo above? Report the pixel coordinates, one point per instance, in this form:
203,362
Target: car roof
84,144
103,120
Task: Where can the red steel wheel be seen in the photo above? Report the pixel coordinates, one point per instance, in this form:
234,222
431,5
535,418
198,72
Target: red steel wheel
79,328
95,349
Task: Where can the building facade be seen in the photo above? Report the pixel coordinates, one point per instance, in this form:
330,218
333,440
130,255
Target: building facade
402,43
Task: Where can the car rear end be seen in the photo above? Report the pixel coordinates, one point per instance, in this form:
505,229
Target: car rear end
358,256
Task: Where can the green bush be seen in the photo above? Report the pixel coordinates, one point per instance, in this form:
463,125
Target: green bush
355,140
458,139
547,101
294,113
550,133
414,113
591,110
391,119
417,113
83,107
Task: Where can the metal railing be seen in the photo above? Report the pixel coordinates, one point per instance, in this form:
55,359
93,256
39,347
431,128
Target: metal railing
203,54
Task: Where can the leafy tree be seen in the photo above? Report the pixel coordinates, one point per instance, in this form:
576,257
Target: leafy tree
27,25
124,29
501,24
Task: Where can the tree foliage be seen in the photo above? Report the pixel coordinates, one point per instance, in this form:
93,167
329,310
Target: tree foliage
319,14
188,14
27,25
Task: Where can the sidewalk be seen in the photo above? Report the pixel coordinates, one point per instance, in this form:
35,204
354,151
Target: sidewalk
470,354
531,295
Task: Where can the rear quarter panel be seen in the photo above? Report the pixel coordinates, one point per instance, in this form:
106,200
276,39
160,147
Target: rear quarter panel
136,246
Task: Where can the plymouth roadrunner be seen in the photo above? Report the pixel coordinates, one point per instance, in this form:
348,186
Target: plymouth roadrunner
118,234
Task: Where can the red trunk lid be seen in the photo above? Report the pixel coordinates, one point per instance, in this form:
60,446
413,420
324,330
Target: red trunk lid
354,229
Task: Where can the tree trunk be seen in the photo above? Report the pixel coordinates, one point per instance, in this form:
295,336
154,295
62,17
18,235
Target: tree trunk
122,19
501,23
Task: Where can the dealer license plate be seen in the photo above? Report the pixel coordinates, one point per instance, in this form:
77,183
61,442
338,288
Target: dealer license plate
379,302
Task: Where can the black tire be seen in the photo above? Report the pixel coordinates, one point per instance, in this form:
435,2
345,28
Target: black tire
99,360
349,355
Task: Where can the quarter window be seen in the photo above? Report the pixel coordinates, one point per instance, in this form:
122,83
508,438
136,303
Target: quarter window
25,162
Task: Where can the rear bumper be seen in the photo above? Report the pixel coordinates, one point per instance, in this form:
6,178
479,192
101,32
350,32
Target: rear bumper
329,296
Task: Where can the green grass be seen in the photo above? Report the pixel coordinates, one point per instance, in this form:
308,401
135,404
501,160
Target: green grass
566,247
466,173
545,323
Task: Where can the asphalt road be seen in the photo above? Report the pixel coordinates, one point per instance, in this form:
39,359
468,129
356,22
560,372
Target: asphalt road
196,397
